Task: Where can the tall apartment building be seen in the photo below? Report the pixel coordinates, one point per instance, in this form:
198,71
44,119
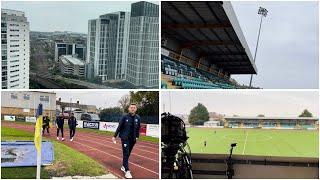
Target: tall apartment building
15,50
143,52
107,43
69,49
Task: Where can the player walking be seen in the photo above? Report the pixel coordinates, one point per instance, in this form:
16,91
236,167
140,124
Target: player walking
128,130
72,122
60,123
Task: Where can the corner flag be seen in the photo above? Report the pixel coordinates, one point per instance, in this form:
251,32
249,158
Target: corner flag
38,138
37,132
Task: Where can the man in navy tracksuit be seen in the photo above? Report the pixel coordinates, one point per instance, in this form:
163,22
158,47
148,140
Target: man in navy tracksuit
72,122
59,123
128,130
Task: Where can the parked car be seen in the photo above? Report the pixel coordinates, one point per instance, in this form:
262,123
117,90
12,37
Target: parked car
89,117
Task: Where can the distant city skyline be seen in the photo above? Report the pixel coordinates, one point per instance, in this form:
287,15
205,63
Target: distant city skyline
63,16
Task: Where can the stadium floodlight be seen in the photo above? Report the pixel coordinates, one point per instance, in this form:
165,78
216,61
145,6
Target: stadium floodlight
263,12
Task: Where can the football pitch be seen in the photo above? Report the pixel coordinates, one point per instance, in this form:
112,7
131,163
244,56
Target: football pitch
262,142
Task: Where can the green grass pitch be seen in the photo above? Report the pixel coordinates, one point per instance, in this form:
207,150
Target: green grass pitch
262,142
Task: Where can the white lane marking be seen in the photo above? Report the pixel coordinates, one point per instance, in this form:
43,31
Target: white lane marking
118,158
155,146
121,149
107,140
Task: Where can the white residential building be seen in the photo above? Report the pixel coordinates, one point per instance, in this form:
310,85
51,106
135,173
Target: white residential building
143,52
107,43
25,103
15,50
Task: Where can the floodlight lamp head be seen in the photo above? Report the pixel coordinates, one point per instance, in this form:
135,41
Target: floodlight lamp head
263,11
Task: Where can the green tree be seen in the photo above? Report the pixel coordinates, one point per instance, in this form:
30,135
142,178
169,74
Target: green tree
306,113
124,102
198,115
147,102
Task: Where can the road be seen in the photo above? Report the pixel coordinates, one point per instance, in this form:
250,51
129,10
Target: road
45,82
144,159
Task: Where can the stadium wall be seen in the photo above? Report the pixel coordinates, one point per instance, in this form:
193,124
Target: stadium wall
146,129
22,113
210,166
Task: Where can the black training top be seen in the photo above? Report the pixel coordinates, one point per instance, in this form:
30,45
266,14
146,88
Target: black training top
72,122
60,121
129,127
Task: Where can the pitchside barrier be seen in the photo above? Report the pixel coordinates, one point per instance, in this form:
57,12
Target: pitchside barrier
213,166
145,129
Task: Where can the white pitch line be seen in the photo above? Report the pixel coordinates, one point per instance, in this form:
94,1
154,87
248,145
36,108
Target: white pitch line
245,143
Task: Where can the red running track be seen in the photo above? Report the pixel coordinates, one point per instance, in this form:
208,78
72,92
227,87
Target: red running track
144,158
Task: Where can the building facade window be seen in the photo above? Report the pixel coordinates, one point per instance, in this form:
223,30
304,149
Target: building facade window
13,96
44,98
26,96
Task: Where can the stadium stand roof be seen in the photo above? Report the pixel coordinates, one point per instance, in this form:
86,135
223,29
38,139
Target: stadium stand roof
211,30
272,118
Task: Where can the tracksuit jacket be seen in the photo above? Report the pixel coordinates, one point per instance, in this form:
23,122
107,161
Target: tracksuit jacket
60,121
72,122
124,127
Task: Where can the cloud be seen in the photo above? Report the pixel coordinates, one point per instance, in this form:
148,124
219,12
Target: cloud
289,44
244,103
99,98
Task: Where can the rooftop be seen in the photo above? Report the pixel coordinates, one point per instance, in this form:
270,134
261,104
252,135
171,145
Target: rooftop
69,59
272,118
12,12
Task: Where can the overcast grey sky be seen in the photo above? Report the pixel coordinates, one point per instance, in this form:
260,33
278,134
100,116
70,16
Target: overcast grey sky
66,15
102,99
288,54
244,103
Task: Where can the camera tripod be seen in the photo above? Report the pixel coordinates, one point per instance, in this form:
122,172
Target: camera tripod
176,159
179,162
230,170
